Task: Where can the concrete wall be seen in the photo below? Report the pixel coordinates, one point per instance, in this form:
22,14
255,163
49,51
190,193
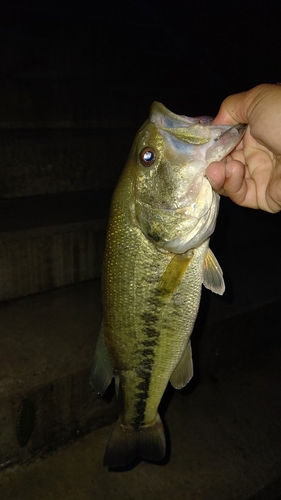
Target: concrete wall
41,259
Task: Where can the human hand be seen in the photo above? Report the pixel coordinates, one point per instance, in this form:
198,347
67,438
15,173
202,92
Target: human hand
251,174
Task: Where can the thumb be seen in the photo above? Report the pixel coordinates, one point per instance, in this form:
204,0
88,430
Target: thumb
234,109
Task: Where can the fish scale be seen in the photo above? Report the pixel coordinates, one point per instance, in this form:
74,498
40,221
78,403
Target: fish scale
156,258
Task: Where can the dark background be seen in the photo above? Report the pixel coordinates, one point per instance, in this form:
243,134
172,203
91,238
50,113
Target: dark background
79,78
191,53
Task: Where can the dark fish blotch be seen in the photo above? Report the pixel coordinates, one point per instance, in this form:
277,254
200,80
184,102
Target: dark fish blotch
146,366
143,387
149,343
141,398
155,302
151,336
148,352
147,363
150,332
148,317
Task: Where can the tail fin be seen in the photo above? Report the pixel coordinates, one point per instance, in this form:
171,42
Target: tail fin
126,444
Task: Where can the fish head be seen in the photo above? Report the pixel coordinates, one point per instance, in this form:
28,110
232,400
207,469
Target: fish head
175,205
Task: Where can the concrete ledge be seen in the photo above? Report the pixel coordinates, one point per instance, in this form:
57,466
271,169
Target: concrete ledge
46,348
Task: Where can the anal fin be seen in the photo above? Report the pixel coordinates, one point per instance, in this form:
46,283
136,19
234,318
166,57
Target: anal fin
183,372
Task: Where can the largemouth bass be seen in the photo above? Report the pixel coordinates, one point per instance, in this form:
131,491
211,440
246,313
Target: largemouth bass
157,256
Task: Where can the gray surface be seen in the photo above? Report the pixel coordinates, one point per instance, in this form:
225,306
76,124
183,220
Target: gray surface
40,259
225,445
76,82
46,349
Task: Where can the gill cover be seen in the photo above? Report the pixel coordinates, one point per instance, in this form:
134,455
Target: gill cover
175,206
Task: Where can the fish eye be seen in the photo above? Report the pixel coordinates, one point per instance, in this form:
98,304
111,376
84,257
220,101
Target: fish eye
147,156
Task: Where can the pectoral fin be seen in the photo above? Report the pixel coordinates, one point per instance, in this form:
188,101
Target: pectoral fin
101,372
173,274
184,370
213,276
